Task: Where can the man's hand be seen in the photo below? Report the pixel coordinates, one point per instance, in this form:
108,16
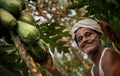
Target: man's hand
49,65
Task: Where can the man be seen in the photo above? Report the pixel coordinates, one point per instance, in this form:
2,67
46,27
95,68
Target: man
88,35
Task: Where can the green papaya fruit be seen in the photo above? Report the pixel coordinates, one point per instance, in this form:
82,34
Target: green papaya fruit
7,20
43,45
23,4
26,17
39,51
12,6
27,32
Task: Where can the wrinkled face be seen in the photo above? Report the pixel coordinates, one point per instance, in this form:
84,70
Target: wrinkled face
88,40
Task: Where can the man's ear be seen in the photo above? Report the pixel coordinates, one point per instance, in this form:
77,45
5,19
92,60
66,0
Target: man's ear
100,36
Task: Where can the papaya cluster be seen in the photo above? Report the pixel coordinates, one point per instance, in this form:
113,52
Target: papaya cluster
14,17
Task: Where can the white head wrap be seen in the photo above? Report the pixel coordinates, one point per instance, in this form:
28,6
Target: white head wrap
88,23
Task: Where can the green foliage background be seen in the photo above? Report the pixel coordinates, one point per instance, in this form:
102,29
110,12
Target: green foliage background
11,63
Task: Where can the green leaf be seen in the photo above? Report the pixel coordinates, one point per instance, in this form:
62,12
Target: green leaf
5,72
52,33
7,48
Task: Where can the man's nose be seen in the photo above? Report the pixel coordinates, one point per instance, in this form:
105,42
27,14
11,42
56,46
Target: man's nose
84,40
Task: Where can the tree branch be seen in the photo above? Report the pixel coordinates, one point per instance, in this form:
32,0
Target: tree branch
56,13
74,50
41,11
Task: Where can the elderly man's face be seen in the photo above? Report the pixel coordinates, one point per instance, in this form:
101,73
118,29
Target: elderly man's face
88,40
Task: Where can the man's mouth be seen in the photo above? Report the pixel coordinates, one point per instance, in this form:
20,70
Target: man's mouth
86,44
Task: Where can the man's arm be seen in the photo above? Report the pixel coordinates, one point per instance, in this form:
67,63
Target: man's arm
49,65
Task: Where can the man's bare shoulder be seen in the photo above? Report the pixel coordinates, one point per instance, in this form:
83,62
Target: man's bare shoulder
111,63
111,56
114,55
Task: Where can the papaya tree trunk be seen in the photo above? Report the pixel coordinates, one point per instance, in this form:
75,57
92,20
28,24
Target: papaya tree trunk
25,55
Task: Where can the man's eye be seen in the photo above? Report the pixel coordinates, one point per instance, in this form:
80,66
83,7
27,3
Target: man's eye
79,39
88,34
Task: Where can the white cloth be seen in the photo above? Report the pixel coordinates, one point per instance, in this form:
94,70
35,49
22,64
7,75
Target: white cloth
92,72
88,23
101,72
